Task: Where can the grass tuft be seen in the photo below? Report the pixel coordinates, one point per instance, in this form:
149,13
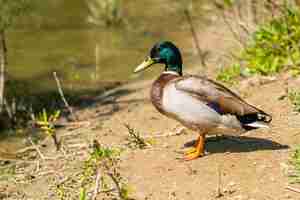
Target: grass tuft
105,161
46,122
134,139
295,161
294,97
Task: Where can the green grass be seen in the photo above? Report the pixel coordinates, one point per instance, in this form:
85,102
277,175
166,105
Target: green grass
272,48
295,161
275,44
230,74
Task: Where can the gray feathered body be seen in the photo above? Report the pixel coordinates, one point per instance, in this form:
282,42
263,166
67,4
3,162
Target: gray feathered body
204,105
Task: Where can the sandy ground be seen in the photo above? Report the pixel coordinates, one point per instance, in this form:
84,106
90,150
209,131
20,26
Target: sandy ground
254,166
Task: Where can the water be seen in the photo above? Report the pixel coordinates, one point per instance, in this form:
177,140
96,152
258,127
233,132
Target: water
58,38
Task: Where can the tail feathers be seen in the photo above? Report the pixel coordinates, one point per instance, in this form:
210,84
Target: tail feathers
262,116
257,124
255,120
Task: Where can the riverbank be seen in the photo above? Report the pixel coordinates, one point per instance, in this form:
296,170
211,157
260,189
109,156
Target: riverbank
254,166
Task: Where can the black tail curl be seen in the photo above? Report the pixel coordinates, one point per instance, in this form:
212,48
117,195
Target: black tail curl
254,117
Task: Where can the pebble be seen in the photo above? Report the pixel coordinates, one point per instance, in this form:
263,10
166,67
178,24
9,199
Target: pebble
229,188
231,184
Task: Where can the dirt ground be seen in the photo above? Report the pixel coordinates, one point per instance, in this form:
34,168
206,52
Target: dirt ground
254,166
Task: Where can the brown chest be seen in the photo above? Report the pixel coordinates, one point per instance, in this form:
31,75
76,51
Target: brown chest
157,90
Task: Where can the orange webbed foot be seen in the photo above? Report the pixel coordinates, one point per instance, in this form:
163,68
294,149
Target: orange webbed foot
194,155
196,152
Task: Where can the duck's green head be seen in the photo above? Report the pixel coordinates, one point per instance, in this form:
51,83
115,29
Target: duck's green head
165,53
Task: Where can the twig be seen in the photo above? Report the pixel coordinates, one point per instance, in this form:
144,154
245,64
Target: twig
219,190
73,124
63,96
78,146
246,28
234,33
113,178
200,52
36,148
56,142
107,191
8,109
231,29
3,62
24,150
67,178
97,61
37,166
45,173
97,184
62,149
292,189
244,24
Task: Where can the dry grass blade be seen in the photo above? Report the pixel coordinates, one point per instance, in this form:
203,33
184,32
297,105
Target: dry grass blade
97,184
202,54
135,140
63,96
37,149
219,188
293,189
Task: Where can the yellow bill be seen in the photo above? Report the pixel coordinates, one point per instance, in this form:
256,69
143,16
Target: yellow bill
147,63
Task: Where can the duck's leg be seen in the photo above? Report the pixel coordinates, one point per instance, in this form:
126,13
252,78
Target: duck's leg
199,149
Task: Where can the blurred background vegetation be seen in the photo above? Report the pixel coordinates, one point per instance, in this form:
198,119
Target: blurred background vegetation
93,45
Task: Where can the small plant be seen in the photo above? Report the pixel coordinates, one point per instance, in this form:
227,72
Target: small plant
275,44
230,74
46,123
295,161
104,160
134,139
294,98
101,153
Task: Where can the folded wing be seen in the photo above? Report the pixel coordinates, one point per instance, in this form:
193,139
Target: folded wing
221,99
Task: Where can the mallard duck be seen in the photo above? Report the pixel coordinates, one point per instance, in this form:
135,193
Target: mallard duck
198,103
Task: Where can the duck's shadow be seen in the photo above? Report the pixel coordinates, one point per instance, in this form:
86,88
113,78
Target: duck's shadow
238,144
